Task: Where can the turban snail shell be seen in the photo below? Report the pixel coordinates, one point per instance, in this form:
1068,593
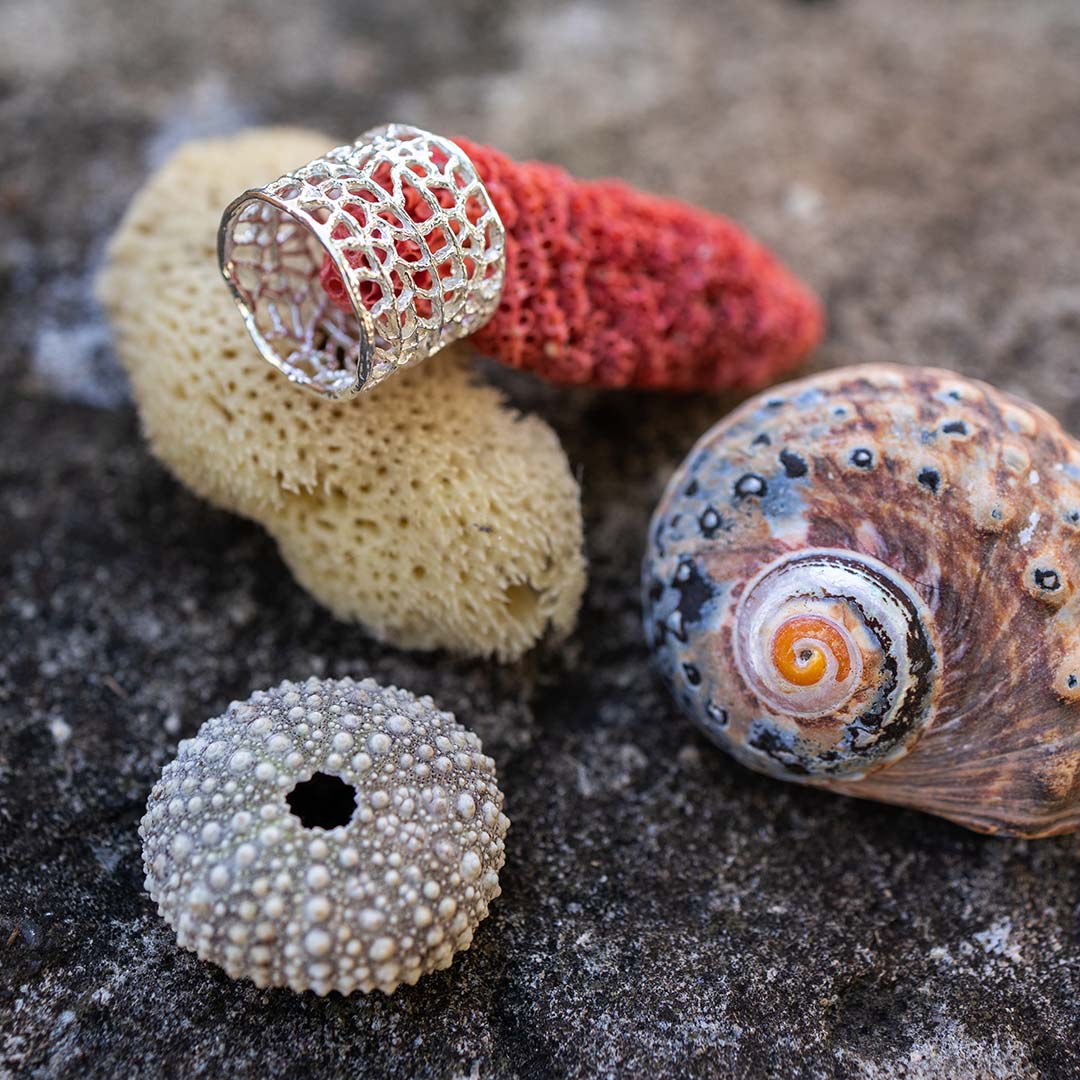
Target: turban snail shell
866,581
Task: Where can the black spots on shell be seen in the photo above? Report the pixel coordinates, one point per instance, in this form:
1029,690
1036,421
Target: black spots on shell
862,457
718,716
1067,683
1047,583
693,676
658,628
655,592
794,465
775,403
711,522
930,479
750,486
658,538
694,589
954,427
691,489
773,745
762,440
1048,580
673,607
672,625
1072,517
997,513
950,396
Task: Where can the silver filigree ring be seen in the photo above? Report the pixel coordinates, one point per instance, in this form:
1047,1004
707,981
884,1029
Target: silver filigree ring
374,256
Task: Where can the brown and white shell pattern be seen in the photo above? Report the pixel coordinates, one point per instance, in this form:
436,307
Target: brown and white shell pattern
867,581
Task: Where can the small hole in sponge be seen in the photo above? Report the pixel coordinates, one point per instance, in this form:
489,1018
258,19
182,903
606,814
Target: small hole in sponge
323,802
522,601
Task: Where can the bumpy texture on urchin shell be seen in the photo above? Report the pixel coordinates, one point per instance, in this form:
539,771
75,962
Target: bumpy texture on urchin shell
427,510
615,287
369,905
880,485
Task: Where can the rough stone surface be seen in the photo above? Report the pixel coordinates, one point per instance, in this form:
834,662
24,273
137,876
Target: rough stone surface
665,913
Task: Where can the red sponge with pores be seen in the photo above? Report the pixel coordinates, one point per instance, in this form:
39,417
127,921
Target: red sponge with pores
612,287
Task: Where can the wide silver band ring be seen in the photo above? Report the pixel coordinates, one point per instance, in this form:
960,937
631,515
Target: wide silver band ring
417,246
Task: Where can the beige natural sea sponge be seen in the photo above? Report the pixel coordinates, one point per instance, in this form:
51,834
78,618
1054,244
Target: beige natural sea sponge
427,509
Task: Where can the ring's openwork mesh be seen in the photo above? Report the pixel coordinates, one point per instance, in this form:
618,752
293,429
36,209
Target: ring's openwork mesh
416,242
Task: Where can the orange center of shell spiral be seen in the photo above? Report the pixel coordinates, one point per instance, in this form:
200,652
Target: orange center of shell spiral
806,665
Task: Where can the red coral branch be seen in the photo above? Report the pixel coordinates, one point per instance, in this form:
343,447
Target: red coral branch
612,287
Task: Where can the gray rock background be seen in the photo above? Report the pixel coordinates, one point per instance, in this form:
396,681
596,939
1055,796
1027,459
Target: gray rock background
665,913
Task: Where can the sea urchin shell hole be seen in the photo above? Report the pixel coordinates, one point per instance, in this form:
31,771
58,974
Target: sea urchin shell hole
323,802
326,835
890,608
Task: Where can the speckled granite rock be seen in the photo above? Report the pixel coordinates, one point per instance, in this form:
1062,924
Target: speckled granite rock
664,912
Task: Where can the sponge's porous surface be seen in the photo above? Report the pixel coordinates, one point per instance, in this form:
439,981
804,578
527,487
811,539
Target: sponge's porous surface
427,509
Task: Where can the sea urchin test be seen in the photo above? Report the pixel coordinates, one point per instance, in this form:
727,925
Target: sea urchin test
326,835
866,581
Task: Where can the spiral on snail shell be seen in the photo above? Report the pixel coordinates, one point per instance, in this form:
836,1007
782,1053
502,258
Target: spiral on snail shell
865,581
